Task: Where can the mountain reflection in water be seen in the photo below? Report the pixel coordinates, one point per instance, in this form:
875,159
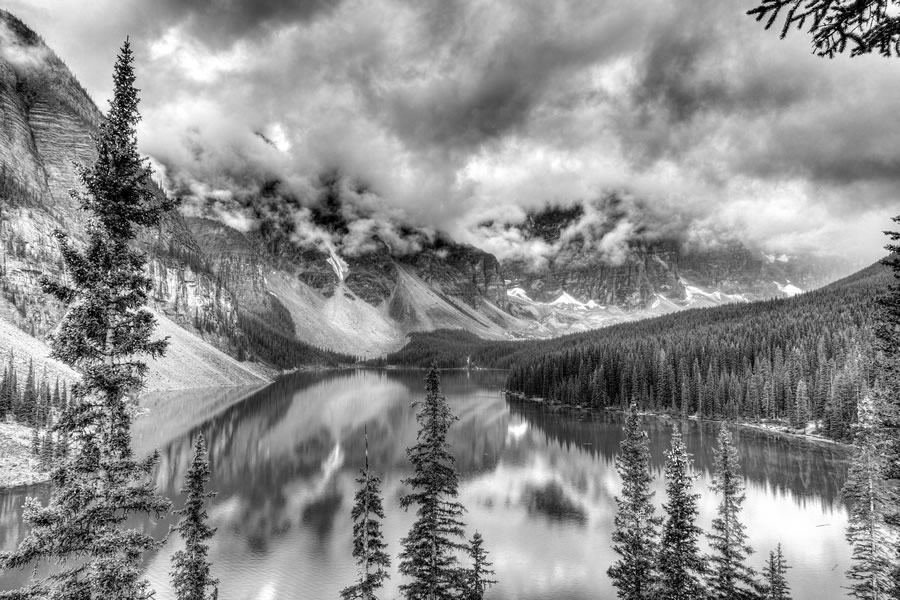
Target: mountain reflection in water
538,485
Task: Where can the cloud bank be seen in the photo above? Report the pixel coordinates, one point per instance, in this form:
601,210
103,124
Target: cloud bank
447,115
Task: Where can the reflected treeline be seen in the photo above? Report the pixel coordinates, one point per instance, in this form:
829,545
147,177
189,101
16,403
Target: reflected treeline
306,429
283,463
802,469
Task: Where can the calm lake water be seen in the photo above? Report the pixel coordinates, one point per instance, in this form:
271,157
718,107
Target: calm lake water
539,486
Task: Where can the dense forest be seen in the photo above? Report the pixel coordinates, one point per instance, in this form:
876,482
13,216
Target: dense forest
37,404
806,359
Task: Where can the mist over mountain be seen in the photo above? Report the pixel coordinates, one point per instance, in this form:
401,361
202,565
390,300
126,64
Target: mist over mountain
274,264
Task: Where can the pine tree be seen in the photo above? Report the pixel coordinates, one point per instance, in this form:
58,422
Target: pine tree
368,542
635,538
190,568
428,557
800,414
47,448
730,578
869,498
478,579
36,441
681,566
103,335
776,587
26,412
863,27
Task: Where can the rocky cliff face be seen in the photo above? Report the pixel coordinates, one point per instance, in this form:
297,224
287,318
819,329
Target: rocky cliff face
367,304
219,285
645,270
46,124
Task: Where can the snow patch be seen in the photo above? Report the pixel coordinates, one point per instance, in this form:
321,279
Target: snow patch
789,288
338,264
519,293
567,300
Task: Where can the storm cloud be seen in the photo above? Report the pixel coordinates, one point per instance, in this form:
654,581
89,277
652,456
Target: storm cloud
453,114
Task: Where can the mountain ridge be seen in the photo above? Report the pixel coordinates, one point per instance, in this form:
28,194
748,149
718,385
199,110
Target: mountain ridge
263,296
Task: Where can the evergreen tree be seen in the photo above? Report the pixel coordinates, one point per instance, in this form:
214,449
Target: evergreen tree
190,568
47,449
680,564
730,578
800,414
869,26
776,587
428,557
103,335
368,542
27,412
478,579
869,498
635,538
36,441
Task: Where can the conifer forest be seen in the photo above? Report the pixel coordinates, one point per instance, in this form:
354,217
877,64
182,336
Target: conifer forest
449,300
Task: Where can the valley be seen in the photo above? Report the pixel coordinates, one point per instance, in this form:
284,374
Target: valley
381,300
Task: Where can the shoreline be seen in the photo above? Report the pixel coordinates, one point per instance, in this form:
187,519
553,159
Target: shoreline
778,429
20,468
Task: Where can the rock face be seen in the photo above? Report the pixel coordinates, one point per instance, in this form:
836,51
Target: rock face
664,268
372,302
46,124
220,286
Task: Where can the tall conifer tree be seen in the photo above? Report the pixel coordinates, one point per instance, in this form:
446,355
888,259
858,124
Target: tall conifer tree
479,576
372,560
191,578
103,335
774,573
428,557
681,565
870,499
730,578
635,538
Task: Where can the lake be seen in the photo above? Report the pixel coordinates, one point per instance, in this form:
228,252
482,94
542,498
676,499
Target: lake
538,485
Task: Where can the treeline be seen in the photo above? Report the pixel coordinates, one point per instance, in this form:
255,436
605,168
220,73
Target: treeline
806,359
448,349
35,401
660,556
277,344
36,404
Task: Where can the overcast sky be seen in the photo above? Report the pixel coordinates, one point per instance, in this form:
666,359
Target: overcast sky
458,112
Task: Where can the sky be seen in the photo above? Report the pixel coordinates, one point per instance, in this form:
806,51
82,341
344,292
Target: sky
464,115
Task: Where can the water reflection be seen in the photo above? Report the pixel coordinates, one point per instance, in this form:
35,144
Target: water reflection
538,485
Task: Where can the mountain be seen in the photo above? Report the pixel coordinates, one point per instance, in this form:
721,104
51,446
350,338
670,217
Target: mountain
802,362
46,123
221,293
583,285
244,304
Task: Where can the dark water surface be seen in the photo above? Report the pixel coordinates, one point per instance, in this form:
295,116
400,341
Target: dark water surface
539,486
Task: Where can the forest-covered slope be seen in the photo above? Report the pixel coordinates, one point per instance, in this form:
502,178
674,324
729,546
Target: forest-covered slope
803,359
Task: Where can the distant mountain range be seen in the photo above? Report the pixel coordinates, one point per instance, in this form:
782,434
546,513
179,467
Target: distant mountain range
256,297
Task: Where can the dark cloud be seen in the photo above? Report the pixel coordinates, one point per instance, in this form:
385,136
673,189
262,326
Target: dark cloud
221,23
454,113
